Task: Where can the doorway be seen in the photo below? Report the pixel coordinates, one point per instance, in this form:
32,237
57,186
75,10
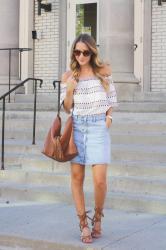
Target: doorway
82,17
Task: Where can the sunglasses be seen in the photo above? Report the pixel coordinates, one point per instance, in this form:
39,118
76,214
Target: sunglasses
85,53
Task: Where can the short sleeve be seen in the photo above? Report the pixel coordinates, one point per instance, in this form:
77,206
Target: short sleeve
63,92
111,94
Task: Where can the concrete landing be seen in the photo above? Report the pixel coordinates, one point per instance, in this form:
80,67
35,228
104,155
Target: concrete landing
55,227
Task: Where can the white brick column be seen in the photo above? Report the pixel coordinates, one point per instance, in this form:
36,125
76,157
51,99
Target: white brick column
25,40
158,72
47,48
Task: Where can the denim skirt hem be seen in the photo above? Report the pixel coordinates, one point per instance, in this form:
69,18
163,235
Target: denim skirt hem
90,163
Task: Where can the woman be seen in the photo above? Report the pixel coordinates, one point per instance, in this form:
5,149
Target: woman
88,90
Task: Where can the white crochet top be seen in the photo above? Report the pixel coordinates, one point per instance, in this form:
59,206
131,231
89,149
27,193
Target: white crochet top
90,96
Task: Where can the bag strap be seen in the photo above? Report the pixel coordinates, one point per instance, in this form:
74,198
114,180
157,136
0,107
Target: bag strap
59,94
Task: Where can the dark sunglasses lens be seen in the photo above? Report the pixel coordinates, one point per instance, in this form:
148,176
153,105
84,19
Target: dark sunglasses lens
86,53
77,52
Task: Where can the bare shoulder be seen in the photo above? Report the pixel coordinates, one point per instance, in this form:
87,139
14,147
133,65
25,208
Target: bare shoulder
106,70
66,75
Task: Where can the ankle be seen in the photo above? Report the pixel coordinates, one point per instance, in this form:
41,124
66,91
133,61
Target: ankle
83,220
97,215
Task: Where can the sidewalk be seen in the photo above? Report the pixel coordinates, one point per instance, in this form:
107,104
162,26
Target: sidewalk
33,226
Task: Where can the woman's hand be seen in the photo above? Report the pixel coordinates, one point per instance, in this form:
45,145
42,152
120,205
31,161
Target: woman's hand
71,84
108,122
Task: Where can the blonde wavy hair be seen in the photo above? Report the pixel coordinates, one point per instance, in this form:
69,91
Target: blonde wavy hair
95,62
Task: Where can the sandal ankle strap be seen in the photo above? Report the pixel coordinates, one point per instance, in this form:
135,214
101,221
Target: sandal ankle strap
83,218
97,216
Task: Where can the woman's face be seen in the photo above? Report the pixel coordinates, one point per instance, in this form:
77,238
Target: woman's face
82,53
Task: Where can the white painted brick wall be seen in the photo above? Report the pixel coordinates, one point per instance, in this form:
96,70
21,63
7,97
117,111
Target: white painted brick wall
158,74
47,48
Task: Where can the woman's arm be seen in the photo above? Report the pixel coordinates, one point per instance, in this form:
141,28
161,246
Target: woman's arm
68,101
70,86
109,117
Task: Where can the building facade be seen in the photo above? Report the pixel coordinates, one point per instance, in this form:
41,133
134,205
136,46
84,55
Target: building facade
130,34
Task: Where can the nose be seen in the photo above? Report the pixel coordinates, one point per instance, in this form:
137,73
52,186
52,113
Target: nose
81,56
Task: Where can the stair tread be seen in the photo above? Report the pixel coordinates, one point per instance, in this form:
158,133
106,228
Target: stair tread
149,179
129,163
132,147
66,190
138,196
140,147
153,180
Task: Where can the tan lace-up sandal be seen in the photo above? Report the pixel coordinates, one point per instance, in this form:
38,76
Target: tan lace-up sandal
96,223
84,228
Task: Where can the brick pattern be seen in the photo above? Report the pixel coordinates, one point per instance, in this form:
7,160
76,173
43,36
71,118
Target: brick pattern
47,48
158,74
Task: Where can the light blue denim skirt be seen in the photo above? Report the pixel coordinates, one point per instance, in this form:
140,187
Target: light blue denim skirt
92,139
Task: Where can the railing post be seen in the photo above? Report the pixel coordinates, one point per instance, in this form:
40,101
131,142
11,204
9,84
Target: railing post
20,52
3,135
34,113
9,70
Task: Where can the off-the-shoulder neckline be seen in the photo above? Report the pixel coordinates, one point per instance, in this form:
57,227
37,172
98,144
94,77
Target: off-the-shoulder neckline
91,78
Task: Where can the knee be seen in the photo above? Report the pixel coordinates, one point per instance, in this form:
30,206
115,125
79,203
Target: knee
77,178
101,184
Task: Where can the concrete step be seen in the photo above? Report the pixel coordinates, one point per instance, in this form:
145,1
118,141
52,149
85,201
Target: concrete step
126,118
138,185
153,139
135,185
20,130
115,200
139,138
120,131
138,97
132,202
142,107
123,123
117,127
30,106
116,168
119,167
122,107
23,146
149,97
41,98
137,152
122,152
26,134
138,169
151,123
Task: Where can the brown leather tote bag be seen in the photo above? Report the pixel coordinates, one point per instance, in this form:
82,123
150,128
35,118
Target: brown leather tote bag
60,145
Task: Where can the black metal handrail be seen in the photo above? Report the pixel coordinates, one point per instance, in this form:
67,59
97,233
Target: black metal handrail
3,113
20,57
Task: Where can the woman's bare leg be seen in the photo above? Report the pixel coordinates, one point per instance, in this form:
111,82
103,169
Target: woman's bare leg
100,189
77,181
100,184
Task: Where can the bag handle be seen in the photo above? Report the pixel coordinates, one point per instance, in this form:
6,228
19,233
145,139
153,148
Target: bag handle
59,93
